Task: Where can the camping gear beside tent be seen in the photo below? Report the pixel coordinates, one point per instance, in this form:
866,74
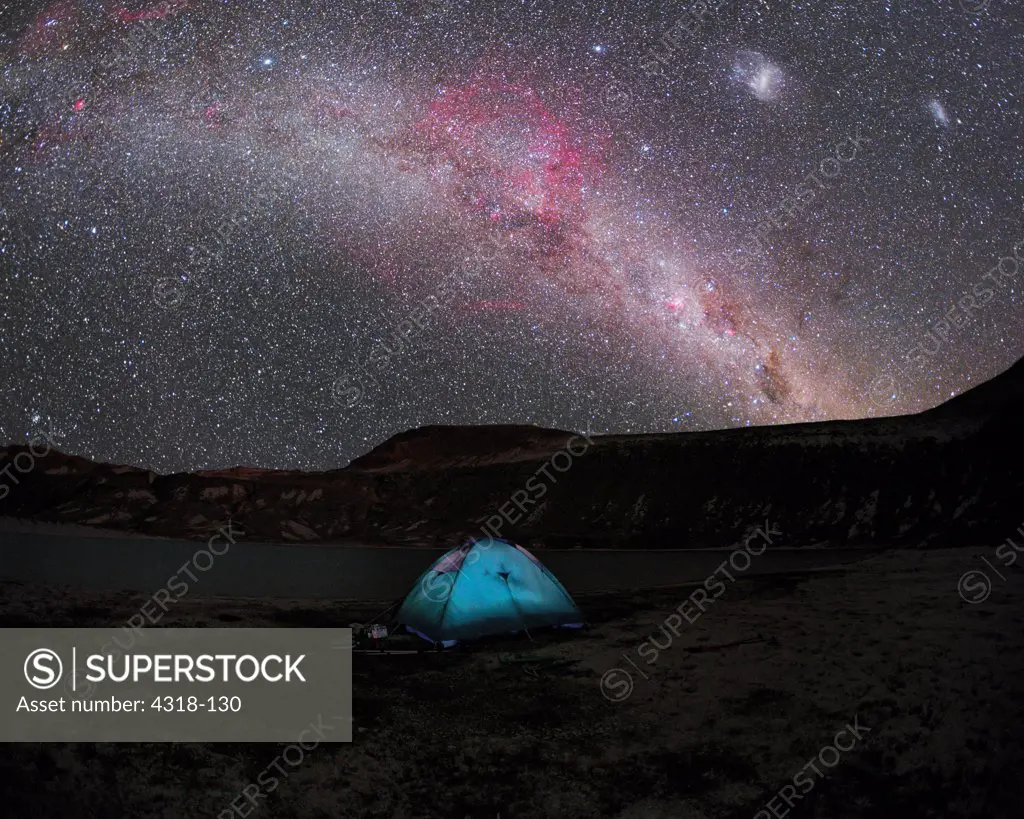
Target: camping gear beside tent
482,588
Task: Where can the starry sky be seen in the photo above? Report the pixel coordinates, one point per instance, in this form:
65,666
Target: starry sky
277,233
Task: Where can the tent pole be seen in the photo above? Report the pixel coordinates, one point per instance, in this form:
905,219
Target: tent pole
512,597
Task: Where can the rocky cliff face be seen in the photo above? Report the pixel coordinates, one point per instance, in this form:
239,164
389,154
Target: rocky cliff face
947,476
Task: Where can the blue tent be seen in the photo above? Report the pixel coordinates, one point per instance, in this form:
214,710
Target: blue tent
485,587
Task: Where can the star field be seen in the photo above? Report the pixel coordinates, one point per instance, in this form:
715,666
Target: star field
277,233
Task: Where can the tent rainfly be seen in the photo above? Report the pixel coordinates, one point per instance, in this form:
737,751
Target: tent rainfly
482,588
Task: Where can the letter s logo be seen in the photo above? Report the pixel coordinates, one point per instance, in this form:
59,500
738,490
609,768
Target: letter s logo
347,390
39,668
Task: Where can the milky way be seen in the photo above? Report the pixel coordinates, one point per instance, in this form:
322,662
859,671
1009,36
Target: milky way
278,233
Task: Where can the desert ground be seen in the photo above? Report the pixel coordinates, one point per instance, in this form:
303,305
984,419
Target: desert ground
729,713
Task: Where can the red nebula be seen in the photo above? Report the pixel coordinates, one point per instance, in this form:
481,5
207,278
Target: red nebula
516,160
521,172
51,29
213,116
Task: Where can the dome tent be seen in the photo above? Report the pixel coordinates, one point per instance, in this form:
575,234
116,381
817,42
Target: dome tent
485,587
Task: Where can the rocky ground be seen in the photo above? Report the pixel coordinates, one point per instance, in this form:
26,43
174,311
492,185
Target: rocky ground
724,718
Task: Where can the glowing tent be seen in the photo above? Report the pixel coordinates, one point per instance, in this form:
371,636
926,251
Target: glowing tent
482,588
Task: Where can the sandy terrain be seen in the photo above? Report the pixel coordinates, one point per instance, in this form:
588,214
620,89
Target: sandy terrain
731,711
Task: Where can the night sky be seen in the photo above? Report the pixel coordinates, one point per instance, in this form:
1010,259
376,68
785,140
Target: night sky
276,233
